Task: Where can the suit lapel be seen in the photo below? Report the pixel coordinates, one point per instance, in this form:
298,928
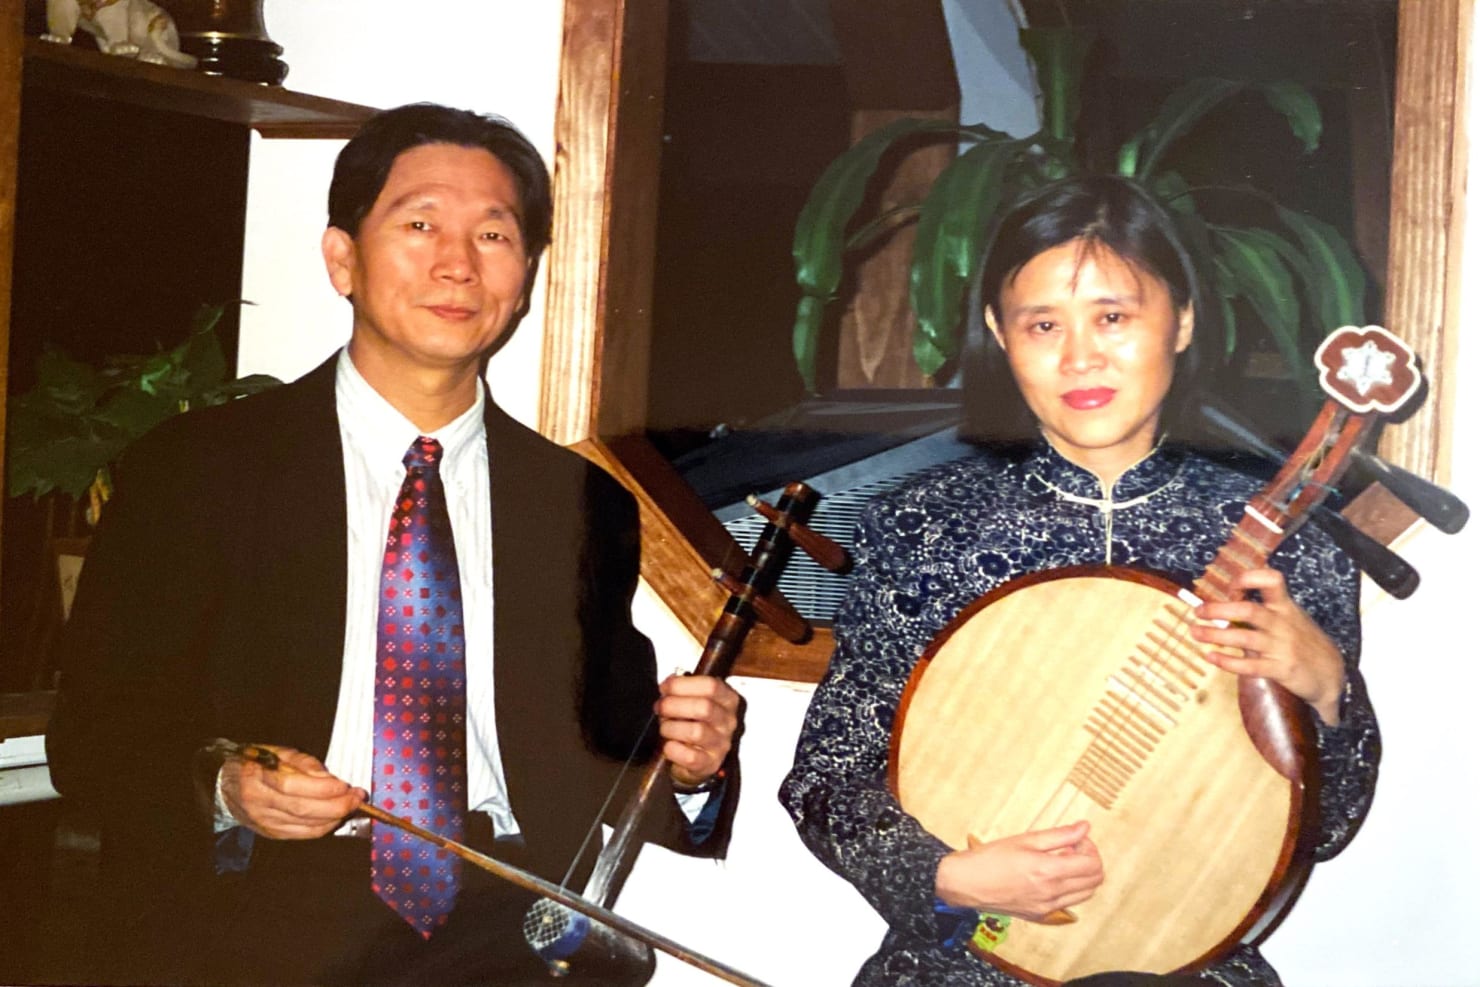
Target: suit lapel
300,688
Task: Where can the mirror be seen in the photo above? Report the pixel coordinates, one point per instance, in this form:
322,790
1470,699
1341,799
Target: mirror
603,405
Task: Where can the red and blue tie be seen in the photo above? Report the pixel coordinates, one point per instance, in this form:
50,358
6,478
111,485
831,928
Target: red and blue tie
420,700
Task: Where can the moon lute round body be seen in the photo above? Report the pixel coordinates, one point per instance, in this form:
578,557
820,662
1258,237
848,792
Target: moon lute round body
1077,694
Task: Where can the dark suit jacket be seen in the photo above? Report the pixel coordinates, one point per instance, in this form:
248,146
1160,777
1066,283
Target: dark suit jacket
213,604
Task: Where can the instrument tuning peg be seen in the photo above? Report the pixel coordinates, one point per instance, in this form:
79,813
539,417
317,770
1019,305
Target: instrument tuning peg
773,609
822,549
1428,500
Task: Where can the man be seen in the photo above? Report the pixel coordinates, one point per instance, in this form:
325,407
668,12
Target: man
243,586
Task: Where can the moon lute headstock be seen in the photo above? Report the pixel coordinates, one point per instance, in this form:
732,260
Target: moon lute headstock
1367,370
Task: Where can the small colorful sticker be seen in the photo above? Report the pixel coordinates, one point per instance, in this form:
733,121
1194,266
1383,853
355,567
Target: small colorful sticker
991,931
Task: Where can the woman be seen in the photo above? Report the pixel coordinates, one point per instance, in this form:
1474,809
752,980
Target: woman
1092,305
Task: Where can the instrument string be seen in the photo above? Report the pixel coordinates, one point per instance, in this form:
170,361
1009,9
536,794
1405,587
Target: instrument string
611,793
594,828
1119,745
1110,758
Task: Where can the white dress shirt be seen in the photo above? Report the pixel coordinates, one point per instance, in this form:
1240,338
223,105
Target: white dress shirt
375,437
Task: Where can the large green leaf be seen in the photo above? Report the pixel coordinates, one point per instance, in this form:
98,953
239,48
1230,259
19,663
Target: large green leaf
1299,108
955,222
1338,284
805,333
817,247
1188,104
68,466
134,411
1258,275
1195,99
1058,57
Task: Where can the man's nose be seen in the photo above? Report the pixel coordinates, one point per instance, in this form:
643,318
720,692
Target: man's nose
456,260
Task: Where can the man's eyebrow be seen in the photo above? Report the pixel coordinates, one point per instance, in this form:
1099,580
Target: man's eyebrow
503,212
427,197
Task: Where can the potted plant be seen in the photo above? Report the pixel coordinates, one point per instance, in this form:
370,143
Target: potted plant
1295,271
66,432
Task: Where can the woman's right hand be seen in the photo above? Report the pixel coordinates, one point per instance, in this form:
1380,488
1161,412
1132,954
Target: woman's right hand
1031,875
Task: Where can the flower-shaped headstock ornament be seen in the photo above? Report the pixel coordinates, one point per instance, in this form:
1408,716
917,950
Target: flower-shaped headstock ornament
1367,369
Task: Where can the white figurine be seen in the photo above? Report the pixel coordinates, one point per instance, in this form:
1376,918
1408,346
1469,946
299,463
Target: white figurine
128,28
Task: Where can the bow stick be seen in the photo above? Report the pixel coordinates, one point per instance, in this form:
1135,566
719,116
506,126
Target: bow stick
553,932
514,875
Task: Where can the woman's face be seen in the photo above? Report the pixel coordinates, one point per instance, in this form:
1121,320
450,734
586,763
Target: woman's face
1092,339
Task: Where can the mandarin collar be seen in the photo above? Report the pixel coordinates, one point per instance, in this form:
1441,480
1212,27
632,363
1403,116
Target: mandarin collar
1046,467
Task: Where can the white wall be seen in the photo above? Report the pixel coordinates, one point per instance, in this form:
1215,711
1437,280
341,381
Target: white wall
1394,911
498,56
1398,908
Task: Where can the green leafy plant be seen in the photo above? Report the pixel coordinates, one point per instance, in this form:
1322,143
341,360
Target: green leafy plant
1300,272
65,433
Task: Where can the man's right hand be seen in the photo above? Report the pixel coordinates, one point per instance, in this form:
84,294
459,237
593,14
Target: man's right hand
299,800
1031,875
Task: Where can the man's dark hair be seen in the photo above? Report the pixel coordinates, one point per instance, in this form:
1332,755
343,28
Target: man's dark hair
1102,211
363,165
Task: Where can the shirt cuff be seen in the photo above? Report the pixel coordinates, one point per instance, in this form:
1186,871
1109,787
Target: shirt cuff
222,820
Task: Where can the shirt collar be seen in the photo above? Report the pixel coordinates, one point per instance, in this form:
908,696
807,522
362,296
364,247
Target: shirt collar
385,434
1048,467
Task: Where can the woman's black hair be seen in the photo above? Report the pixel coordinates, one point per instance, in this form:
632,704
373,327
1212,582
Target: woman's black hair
1101,210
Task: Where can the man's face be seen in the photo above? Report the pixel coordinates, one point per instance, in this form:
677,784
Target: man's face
439,266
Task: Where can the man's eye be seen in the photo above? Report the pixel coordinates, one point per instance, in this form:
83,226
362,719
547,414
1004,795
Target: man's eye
420,225
494,235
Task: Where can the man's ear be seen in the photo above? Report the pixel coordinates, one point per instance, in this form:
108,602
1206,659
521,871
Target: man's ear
339,259
1184,327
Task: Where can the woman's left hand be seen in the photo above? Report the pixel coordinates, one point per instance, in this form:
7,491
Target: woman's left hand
1279,641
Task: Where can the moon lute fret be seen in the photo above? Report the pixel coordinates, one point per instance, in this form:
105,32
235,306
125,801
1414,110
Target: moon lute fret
1079,693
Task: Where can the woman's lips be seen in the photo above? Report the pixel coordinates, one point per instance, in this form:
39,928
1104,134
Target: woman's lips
1088,398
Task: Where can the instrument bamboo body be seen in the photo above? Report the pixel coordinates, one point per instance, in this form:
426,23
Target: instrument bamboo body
1076,695
556,932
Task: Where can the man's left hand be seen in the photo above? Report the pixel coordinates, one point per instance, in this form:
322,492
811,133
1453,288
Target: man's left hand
697,718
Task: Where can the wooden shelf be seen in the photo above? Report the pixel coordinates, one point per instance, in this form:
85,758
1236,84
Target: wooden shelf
24,714
270,110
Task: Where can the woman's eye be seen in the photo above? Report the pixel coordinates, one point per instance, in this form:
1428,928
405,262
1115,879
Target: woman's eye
1114,317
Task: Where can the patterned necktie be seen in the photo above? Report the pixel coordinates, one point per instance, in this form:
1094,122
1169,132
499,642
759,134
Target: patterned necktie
420,700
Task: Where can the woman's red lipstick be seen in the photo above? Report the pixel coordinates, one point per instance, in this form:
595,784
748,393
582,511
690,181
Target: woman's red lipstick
1088,398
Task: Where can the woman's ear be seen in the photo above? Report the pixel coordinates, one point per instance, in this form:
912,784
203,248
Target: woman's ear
339,259
990,318
1184,327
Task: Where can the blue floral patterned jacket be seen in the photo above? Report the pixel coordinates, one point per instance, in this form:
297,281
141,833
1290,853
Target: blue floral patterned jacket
931,546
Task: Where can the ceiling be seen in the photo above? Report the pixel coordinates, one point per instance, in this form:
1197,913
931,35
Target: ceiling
1319,42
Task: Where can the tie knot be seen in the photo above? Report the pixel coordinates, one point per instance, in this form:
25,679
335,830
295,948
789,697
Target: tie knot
424,454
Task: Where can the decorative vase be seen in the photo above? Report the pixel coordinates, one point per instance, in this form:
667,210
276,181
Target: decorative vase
229,38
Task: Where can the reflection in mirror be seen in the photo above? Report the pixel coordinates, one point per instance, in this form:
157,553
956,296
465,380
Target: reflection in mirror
754,113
